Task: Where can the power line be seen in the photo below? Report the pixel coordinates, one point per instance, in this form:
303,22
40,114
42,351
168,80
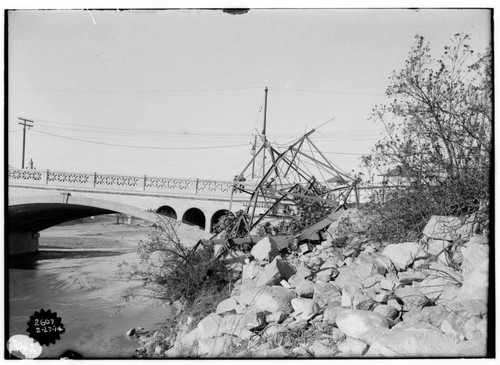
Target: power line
142,147
326,91
104,129
136,90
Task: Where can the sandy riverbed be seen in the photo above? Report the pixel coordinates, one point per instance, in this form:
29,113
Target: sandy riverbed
103,238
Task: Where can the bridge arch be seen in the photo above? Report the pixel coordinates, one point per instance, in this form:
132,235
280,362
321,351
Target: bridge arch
167,211
36,213
194,216
216,216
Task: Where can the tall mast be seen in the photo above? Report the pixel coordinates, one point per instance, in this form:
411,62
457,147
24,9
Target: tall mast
264,135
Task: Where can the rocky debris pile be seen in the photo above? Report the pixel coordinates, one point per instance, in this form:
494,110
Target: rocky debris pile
412,299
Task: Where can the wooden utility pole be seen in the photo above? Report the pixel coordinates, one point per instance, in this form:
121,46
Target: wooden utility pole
25,123
264,135
254,149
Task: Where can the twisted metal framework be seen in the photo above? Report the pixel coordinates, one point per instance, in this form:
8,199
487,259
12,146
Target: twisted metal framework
289,179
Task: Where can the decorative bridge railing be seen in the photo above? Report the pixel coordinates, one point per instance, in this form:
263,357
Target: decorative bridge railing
97,181
170,186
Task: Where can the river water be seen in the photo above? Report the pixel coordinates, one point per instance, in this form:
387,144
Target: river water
87,294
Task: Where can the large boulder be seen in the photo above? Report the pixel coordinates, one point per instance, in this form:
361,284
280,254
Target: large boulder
425,342
443,228
188,340
473,348
374,282
304,308
234,325
305,289
331,313
247,292
476,252
436,247
214,347
326,293
208,327
473,295
300,274
251,270
387,311
228,305
253,319
433,286
274,299
265,250
350,291
358,271
353,347
371,336
355,322
320,350
412,298
274,272
402,254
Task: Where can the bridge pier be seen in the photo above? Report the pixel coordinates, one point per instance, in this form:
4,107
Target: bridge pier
23,242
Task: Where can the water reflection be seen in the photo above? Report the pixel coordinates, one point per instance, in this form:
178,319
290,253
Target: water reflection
86,292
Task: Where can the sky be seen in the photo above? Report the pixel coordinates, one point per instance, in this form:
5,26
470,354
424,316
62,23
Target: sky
180,93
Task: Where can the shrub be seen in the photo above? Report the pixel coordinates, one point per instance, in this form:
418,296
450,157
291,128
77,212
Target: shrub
172,271
436,156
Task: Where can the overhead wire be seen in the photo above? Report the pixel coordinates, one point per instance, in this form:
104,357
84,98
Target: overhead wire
145,134
104,129
135,90
317,165
141,147
327,91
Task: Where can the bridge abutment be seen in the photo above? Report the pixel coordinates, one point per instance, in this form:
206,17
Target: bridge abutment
23,242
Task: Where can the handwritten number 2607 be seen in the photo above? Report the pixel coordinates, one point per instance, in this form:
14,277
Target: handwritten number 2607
43,322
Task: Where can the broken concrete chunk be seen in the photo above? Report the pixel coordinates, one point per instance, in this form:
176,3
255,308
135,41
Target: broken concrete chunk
436,247
276,317
387,284
326,293
213,347
273,299
305,289
228,305
352,346
265,250
285,284
412,298
251,270
209,326
402,254
355,322
475,254
331,313
388,311
319,350
304,308
442,228
274,272
301,273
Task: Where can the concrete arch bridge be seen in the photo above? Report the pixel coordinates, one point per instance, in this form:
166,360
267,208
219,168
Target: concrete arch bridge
41,199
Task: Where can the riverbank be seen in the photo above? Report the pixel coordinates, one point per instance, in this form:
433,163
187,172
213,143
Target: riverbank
347,298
